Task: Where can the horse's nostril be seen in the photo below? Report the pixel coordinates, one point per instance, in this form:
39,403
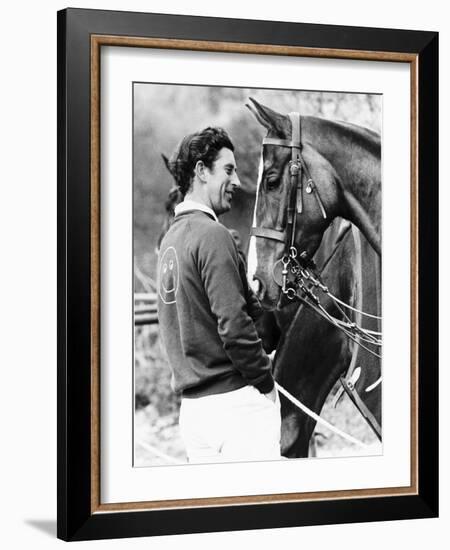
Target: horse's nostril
258,287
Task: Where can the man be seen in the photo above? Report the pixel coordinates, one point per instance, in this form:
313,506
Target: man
230,408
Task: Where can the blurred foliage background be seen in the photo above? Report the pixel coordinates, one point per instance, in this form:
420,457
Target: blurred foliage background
162,115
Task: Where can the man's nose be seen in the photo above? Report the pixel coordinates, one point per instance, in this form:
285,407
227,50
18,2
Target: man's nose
236,181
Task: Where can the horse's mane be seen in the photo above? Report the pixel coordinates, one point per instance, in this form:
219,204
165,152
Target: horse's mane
366,138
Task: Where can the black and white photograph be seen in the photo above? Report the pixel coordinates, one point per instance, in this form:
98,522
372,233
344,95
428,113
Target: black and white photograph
224,276
257,281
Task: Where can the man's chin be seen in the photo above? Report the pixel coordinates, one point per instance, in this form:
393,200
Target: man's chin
226,207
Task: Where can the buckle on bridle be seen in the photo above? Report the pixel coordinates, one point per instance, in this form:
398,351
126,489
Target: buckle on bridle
285,260
294,167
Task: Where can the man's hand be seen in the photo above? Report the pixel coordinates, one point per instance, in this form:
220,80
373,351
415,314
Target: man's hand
272,395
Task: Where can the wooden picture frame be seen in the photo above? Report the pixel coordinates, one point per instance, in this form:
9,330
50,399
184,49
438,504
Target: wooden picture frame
81,35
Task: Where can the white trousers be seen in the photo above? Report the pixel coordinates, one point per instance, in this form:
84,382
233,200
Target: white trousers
238,425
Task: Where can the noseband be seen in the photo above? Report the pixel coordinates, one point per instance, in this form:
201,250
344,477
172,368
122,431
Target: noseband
291,262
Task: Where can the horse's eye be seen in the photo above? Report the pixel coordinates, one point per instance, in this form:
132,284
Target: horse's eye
272,183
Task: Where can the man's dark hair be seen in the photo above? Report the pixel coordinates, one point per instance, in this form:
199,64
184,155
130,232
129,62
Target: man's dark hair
204,146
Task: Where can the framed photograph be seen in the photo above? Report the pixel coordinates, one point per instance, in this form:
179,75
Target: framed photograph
247,285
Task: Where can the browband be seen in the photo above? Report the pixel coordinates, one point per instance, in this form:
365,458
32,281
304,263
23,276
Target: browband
282,142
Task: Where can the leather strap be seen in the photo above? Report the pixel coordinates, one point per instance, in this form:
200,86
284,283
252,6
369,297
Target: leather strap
296,130
268,233
350,390
282,142
296,192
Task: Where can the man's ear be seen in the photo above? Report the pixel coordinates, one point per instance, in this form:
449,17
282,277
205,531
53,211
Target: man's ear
199,170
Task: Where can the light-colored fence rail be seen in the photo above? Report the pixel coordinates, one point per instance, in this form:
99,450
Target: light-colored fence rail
145,309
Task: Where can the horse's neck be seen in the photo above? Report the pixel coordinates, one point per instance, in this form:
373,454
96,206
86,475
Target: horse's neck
355,155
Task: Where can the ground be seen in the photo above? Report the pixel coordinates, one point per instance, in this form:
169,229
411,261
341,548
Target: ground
154,435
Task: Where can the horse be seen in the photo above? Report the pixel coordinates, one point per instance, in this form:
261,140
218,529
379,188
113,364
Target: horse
341,163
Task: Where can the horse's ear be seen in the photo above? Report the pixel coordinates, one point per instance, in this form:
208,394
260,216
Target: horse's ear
257,116
166,162
268,118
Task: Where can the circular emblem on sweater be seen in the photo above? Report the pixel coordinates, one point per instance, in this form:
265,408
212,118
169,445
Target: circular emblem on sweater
168,276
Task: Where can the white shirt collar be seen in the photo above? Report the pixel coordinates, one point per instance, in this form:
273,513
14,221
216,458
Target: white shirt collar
189,204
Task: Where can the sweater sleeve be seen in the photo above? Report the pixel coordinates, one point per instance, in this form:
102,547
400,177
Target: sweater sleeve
218,266
253,306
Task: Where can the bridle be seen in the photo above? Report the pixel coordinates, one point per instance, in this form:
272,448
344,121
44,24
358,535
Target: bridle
285,269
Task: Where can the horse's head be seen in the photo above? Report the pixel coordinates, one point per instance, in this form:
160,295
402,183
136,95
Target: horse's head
312,209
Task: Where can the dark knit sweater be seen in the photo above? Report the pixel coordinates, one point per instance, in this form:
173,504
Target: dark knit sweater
206,310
